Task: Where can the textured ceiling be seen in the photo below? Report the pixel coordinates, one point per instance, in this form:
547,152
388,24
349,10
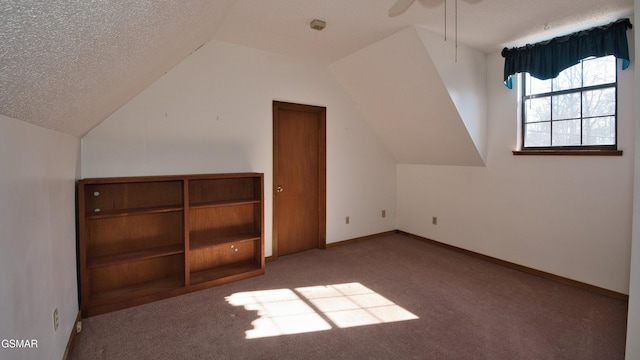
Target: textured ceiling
67,65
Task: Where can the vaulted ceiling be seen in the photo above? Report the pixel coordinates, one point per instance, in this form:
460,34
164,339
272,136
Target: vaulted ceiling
426,104
67,65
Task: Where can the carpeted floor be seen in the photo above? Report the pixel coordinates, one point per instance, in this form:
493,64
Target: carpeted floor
391,297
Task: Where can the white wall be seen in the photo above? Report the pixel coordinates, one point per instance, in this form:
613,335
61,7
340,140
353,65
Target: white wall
213,113
463,71
38,244
411,98
633,320
570,216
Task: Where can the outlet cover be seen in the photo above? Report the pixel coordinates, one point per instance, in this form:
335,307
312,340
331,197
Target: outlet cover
56,322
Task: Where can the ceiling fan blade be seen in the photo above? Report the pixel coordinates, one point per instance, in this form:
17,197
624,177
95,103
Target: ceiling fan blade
399,7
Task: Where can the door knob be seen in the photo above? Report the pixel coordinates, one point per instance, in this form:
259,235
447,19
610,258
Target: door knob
279,189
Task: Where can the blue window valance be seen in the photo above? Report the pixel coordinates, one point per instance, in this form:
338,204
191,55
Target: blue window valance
545,60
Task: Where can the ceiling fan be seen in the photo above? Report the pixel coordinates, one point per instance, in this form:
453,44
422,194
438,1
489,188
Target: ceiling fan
402,5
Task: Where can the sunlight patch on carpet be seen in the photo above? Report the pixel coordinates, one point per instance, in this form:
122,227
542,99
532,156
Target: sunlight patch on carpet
316,308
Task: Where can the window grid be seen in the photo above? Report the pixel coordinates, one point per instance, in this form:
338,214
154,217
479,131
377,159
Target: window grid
552,95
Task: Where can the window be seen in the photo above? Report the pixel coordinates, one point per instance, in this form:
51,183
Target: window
574,111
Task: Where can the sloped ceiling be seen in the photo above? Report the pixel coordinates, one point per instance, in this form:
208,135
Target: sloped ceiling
399,90
67,65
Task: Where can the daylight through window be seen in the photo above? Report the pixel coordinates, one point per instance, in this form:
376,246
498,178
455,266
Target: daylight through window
576,110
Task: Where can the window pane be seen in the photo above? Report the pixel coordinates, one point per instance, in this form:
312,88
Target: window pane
599,71
538,109
566,106
566,133
599,131
538,134
599,102
536,86
570,78
563,112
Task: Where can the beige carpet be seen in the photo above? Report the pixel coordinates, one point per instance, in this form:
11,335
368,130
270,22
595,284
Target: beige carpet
391,297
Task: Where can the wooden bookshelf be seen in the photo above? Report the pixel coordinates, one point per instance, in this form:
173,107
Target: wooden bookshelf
143,239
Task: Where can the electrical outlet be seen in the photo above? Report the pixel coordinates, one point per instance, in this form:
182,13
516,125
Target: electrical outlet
434,220
55,319
384,213
346,220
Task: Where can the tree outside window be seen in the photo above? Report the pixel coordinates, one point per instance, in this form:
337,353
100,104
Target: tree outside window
576,110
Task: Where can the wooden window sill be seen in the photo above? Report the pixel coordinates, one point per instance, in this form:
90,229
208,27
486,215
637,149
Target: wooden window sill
569,152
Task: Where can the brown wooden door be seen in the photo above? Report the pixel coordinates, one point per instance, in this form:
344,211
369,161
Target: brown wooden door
299,178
